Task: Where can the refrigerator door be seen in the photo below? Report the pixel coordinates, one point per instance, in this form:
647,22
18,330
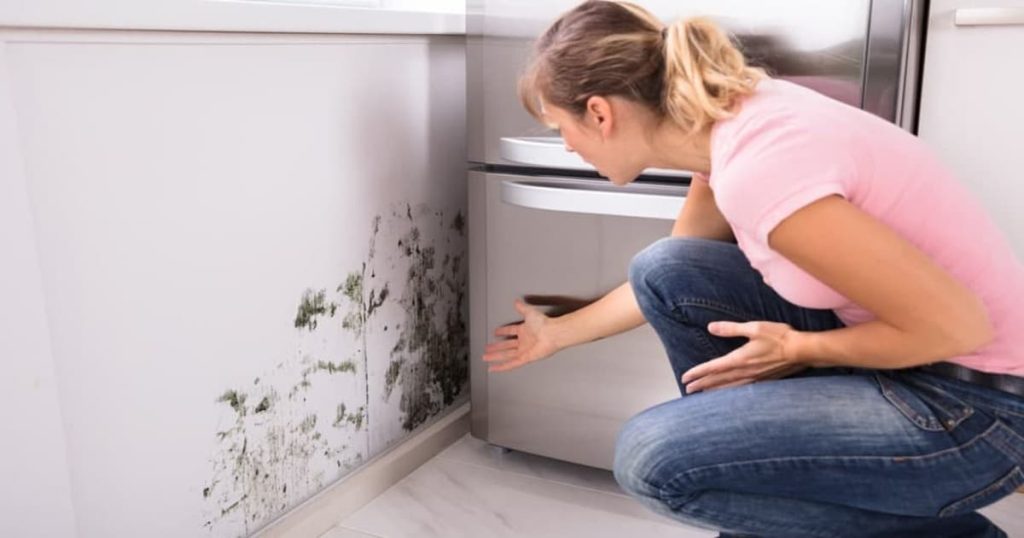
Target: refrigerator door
562,237
861,52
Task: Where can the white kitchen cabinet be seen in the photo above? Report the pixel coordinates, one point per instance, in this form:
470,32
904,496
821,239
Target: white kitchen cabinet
200,228
971,107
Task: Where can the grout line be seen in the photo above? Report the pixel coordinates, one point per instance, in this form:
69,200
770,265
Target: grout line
353,529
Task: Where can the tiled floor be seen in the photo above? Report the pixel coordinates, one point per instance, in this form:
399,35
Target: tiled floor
474,490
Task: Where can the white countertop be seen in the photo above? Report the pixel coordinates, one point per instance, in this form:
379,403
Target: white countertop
305,16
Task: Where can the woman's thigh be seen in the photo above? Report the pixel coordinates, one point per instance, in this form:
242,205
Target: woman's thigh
682,284
869,441
702,280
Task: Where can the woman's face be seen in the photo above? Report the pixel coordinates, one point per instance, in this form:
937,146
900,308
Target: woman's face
595,141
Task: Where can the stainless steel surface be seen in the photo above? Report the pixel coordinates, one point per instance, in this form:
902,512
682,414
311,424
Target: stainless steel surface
595,197
571,405
891,70
545,235
993,16
550,152
861,52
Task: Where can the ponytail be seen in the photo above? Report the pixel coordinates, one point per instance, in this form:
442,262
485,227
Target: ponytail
705,74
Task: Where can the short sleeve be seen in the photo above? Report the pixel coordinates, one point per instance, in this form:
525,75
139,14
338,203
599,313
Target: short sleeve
777,167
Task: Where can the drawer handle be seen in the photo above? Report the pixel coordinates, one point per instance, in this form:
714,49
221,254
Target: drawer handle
537,195
989,16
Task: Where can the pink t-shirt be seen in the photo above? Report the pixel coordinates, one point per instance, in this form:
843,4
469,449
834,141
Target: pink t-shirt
789,146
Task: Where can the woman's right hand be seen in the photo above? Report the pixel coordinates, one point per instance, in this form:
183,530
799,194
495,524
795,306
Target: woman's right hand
529,340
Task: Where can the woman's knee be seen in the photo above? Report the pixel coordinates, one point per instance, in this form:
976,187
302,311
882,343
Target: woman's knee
684,259
647,451
633,455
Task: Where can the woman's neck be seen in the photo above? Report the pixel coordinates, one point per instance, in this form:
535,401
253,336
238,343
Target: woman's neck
673,148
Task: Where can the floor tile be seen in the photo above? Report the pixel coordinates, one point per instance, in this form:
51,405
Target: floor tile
1008,514
469,449
473,489
446,498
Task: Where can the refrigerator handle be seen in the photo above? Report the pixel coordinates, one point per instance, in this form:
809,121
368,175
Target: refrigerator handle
989,16
536,195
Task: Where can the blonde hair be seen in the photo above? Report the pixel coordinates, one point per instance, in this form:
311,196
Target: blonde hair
689,72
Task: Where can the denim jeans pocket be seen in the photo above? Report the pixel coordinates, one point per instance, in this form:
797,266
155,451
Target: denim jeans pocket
999,489
925,405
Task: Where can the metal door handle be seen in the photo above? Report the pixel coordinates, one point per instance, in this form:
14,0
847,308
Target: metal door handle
595,201
989,16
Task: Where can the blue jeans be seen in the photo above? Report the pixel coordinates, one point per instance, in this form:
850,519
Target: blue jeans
826,452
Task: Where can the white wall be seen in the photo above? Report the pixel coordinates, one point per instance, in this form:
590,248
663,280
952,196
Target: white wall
187,191
36,494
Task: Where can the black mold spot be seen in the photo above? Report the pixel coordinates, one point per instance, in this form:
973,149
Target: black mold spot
459,223
235,399
333,368
312,306
391,376
430,357
263,405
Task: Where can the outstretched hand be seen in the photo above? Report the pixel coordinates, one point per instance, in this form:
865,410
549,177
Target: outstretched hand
527,341
762,357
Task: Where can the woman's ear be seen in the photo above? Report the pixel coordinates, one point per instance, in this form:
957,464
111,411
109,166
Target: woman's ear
599,115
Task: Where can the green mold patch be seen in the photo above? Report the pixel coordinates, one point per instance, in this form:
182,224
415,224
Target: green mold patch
292,425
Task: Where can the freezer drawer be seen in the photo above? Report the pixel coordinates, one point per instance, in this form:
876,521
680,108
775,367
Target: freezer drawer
561,236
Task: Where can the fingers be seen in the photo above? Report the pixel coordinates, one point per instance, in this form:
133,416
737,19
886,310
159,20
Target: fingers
712,367
723,378
501,346
728,379
500,355
521,307
507,330
729,329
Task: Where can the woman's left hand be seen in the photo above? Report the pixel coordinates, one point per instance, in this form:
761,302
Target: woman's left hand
762,357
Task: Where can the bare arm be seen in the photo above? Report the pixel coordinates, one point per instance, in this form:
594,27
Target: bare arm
618,311
922,314
539,336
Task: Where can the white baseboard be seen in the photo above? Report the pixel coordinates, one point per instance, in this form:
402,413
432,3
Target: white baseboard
326,509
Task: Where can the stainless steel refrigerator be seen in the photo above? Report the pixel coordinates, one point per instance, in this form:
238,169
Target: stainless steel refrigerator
543,223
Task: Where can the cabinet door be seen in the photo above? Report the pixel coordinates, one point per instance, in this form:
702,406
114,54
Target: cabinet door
971,110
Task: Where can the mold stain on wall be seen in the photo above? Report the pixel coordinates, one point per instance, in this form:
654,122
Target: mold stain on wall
429,360
295,428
